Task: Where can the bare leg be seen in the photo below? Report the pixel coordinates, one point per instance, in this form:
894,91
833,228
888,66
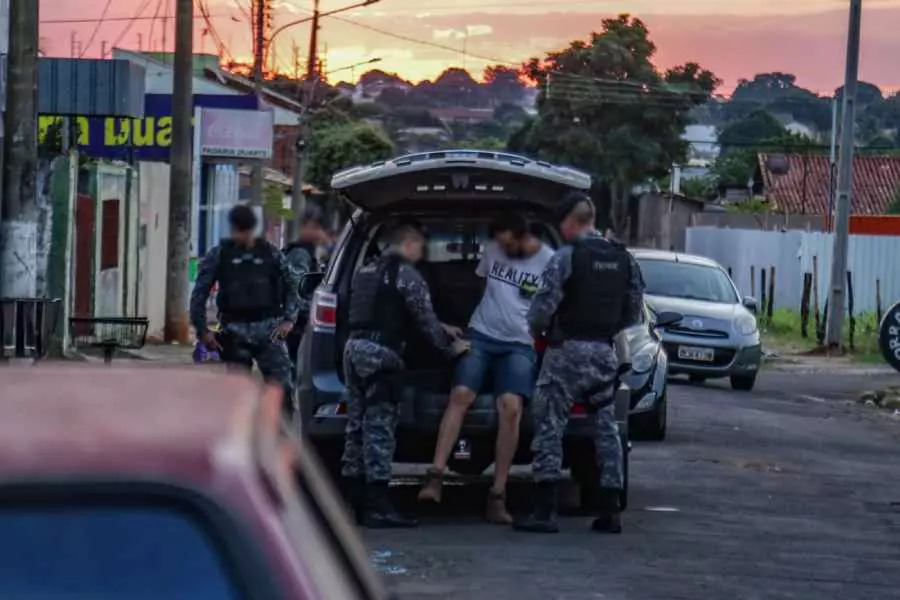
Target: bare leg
461,398
509,407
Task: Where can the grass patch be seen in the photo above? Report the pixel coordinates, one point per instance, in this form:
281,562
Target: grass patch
784,332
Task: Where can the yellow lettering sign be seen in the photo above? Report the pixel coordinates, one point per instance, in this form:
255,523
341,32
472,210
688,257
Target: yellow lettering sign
80,128
144,131
117,132
164,132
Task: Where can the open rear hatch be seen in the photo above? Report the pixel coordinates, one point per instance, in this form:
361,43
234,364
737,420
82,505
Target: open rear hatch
461,178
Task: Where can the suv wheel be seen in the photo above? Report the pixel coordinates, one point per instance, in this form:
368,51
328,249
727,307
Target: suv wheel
743,383
652,425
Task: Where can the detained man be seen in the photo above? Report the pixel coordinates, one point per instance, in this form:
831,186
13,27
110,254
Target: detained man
502,350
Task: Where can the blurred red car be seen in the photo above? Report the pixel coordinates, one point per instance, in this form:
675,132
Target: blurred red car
149,483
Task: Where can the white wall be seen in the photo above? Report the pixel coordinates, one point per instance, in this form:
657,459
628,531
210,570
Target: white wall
154,217
792,252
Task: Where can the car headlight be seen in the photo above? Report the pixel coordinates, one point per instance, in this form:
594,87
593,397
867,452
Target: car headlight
642,361
745,325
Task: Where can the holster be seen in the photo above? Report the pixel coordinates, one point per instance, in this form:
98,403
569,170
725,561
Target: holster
383,387
595,405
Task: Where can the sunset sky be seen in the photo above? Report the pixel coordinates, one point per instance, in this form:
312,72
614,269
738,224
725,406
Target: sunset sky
804,37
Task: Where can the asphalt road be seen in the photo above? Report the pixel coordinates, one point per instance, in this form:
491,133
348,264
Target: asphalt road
787,492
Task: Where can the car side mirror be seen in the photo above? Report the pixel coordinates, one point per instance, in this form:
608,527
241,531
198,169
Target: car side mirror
309,283
750,303
668,318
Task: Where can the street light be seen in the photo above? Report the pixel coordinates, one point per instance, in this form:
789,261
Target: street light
352,68
312,17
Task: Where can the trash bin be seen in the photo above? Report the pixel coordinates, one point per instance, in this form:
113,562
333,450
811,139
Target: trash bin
27,327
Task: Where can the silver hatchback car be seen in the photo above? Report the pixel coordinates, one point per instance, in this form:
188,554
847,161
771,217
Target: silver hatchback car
718,336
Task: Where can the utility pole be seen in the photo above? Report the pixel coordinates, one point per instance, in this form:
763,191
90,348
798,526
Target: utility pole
180,178
259,51
837,293
298,200
312,61
19,210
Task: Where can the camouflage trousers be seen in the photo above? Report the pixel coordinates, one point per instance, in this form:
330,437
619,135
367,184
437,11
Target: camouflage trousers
372,410
244,343
577,371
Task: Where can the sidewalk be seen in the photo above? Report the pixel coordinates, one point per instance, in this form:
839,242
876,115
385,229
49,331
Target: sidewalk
786,361
174,354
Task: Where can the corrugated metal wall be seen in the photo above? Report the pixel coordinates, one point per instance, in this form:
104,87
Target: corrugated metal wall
792,253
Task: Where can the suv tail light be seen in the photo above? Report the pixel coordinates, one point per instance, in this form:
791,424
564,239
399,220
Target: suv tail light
323,313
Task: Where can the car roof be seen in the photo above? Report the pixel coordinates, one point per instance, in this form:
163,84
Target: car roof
186,425
670,256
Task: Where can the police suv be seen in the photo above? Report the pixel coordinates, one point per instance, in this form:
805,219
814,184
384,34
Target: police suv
453,196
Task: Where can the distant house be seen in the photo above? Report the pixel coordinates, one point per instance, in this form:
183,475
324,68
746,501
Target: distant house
469,116
660,220
800,184
373,83
703,142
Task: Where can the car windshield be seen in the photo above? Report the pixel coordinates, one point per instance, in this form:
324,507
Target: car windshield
109,552
685,280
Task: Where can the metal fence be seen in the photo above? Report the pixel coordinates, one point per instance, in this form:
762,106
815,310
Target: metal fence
874,261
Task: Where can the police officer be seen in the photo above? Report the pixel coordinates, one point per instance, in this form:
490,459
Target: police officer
592,289
386,295
301,256
257,302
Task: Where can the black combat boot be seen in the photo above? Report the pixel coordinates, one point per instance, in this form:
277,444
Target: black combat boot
354,492
380,512
610,519
543,519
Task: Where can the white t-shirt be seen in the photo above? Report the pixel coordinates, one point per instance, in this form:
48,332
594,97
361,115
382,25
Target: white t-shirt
502,312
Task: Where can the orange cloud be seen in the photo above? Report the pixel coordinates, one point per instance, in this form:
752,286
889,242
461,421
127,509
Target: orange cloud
420,38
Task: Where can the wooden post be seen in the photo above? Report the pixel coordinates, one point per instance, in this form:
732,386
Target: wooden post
815,292
804,305
820,328
850,307
770,306
878,312
752,280
762,288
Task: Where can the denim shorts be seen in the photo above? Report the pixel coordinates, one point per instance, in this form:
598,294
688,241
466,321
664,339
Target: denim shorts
506,367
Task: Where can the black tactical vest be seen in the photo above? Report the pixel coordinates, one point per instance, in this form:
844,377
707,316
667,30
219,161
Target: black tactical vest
594,296
377,308
250,284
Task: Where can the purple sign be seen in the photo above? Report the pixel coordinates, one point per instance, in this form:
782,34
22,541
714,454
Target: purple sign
229,133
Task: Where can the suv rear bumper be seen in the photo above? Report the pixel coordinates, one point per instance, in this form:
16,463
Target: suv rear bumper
420,419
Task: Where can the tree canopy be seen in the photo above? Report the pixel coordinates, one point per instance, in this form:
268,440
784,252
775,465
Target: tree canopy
340,141
604,107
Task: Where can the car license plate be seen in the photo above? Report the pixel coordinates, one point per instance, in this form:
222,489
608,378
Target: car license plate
699,354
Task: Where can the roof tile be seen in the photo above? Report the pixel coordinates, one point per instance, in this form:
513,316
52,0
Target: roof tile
804,188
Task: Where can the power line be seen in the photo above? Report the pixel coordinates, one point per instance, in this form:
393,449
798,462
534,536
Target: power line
244,10
220,44
422,42
121,19
131,23
153,22
96,29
